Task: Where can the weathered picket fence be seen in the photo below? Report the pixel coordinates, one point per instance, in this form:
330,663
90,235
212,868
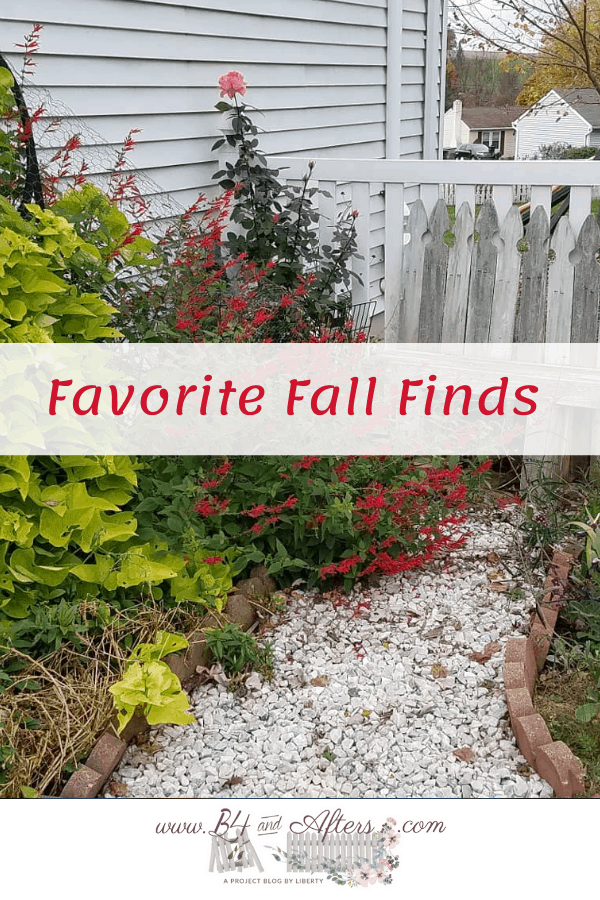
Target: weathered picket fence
496,282
309,852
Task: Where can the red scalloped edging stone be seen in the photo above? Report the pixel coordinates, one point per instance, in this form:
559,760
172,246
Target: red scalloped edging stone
525,659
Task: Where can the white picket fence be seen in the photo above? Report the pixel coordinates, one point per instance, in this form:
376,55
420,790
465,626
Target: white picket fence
365,179
309,852
483,192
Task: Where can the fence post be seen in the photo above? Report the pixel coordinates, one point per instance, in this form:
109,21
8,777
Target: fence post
393,259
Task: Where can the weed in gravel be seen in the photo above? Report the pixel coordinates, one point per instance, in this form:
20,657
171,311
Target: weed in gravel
237,650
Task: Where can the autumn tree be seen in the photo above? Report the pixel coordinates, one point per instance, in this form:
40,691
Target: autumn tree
451,79
561,38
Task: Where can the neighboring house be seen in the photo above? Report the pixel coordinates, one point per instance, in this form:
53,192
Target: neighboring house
482,125
336,78
571,117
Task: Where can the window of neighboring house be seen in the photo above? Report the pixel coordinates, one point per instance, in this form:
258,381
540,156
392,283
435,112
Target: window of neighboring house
492,139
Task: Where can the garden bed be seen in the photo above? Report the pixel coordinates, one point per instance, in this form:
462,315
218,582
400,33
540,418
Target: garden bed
392,690
558,696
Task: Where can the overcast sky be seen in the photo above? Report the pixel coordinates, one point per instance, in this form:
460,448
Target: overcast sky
489,16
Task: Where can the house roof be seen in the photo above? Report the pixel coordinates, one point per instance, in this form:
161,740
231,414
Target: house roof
499,117
585,101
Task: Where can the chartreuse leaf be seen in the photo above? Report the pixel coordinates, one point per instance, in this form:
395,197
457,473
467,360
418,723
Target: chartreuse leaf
14,527
172,712
14,474
150,687
165,643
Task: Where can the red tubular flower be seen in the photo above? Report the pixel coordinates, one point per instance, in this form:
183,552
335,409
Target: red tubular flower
211,507
255,512
307,462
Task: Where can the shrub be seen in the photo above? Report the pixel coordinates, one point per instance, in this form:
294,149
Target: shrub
67,548
323,519
193,286
57,264
194,295
278,223
561,150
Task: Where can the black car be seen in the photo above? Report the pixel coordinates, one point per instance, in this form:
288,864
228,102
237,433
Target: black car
476,151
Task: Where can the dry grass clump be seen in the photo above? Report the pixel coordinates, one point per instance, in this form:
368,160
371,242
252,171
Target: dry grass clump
558,695
58,724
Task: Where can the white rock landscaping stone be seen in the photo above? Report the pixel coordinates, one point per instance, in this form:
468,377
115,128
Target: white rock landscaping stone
391,726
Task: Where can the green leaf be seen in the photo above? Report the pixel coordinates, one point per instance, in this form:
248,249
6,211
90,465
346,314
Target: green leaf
587,712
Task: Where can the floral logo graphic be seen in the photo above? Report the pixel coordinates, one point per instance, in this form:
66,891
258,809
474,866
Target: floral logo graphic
361,871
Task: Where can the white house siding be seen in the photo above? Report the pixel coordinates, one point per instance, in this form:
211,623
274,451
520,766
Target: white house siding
550,121
317,68
594,139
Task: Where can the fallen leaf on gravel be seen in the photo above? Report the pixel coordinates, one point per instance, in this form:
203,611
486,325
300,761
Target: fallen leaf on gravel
496,575
118,789
151,749
439,671
493,559
498,587
434,633
215,673
320,681
488,651
465,755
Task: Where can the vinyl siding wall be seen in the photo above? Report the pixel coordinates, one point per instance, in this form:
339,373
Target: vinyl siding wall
594,139
316,68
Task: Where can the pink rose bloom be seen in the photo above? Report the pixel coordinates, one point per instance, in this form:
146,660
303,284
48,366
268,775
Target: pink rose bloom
392,821
231,84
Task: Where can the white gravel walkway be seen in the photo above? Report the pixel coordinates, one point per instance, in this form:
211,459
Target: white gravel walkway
372,699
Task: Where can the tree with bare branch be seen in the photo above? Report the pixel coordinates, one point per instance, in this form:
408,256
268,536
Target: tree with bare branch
560,37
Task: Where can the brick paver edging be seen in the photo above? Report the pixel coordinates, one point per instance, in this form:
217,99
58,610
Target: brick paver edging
89,779
525,659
